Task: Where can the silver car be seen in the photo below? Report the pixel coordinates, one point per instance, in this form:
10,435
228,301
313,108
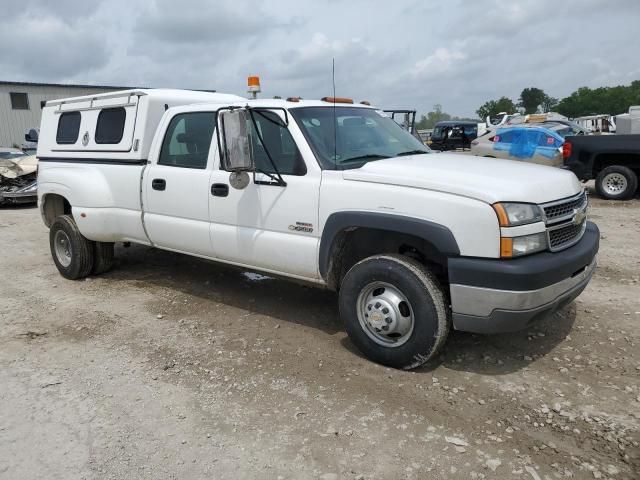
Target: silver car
539,143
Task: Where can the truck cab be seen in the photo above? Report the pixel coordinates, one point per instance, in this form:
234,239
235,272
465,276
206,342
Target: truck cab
327,192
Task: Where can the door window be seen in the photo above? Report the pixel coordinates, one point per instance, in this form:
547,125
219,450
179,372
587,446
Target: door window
278,141
187,140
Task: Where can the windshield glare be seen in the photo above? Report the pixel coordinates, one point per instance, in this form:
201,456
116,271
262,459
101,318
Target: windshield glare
361,135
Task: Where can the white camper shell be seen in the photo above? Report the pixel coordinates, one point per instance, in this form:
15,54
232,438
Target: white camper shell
117,126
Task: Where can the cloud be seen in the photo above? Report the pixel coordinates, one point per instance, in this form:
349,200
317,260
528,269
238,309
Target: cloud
442,60
202,21
397,54
44,46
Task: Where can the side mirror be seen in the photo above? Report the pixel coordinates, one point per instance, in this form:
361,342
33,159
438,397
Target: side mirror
31,135
235,141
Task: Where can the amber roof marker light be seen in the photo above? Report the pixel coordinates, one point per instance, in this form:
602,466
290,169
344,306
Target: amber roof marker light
337,99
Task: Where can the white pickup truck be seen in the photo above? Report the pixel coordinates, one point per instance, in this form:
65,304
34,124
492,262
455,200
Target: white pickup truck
327,192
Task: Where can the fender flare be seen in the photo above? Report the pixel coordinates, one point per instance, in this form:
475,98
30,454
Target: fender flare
438,235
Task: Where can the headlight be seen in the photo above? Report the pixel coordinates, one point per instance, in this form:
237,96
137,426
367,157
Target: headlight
512,214
524,245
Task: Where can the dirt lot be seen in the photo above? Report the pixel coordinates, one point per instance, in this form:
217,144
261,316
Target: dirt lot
174,367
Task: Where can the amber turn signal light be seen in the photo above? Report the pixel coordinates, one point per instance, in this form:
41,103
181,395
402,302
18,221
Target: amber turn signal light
506,247
503,219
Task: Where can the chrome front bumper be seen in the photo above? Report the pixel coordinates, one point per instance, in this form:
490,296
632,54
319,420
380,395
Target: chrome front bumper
486,310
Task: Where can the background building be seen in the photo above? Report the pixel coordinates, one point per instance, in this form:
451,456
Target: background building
21,105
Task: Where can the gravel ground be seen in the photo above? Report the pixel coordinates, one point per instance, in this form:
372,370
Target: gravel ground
175,367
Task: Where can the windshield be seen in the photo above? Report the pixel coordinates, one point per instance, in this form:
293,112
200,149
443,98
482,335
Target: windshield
361,135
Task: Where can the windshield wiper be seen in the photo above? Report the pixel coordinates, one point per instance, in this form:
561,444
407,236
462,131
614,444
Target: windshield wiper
411,152
372,156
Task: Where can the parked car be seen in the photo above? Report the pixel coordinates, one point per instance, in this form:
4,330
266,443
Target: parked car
18,177
321,191
451,135
7,152
532,144
612,160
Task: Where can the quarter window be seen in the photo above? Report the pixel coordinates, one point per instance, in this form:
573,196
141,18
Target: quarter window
187,141
68,128
110,127
19,101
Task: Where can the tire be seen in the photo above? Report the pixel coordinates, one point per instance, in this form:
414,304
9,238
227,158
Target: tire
363,304
102,257
72,253
616,183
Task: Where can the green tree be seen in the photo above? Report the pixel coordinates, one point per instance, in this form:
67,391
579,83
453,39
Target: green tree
429,120
612,100
493,107
530,99
436,115
548,103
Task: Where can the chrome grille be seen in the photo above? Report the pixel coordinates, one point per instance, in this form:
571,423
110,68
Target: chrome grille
566,221
562,209
565,235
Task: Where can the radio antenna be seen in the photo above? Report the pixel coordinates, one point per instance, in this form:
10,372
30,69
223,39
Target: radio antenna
335,124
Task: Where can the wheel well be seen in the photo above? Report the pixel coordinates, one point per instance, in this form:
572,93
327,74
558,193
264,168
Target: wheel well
54,205
629,160
355,244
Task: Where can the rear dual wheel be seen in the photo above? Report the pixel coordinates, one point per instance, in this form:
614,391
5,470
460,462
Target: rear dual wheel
394,310
74,255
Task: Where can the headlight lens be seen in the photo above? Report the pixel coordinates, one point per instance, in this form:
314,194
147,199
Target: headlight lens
512,214
524,245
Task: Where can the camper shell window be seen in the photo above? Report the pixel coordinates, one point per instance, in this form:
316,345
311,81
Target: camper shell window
68,128
110,126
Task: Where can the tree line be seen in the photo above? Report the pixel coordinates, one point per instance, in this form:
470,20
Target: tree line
584,101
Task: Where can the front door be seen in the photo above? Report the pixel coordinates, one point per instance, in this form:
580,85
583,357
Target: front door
271,227
176,187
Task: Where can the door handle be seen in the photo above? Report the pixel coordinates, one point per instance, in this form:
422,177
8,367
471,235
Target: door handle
220,190
158,184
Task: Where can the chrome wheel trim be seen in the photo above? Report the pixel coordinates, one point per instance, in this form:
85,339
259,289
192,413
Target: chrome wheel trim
385,314
614,183
62,248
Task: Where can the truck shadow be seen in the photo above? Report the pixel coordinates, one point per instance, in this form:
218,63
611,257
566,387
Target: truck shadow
498,354
508,352
208,284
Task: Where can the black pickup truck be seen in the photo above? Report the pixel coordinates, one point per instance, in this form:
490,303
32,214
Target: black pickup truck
613,160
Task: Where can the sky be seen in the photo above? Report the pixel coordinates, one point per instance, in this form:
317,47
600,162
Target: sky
395,54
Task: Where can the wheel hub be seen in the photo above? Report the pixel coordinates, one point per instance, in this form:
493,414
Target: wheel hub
385,314
62,248
615,183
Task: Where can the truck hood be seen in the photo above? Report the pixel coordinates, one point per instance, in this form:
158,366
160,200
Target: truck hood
487,179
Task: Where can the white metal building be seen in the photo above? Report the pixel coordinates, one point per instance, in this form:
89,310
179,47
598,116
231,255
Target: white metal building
21,105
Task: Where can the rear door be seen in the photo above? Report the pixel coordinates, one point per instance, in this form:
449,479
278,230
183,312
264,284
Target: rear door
176,185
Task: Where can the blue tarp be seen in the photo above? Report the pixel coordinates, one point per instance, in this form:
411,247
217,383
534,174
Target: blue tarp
525,142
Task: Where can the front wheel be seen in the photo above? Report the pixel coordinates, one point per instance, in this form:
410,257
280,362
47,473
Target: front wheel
72,253
616,183
394,310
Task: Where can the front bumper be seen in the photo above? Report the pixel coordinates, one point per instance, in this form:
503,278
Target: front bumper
492,296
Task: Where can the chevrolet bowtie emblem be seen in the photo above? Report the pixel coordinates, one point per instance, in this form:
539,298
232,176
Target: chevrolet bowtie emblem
579,217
